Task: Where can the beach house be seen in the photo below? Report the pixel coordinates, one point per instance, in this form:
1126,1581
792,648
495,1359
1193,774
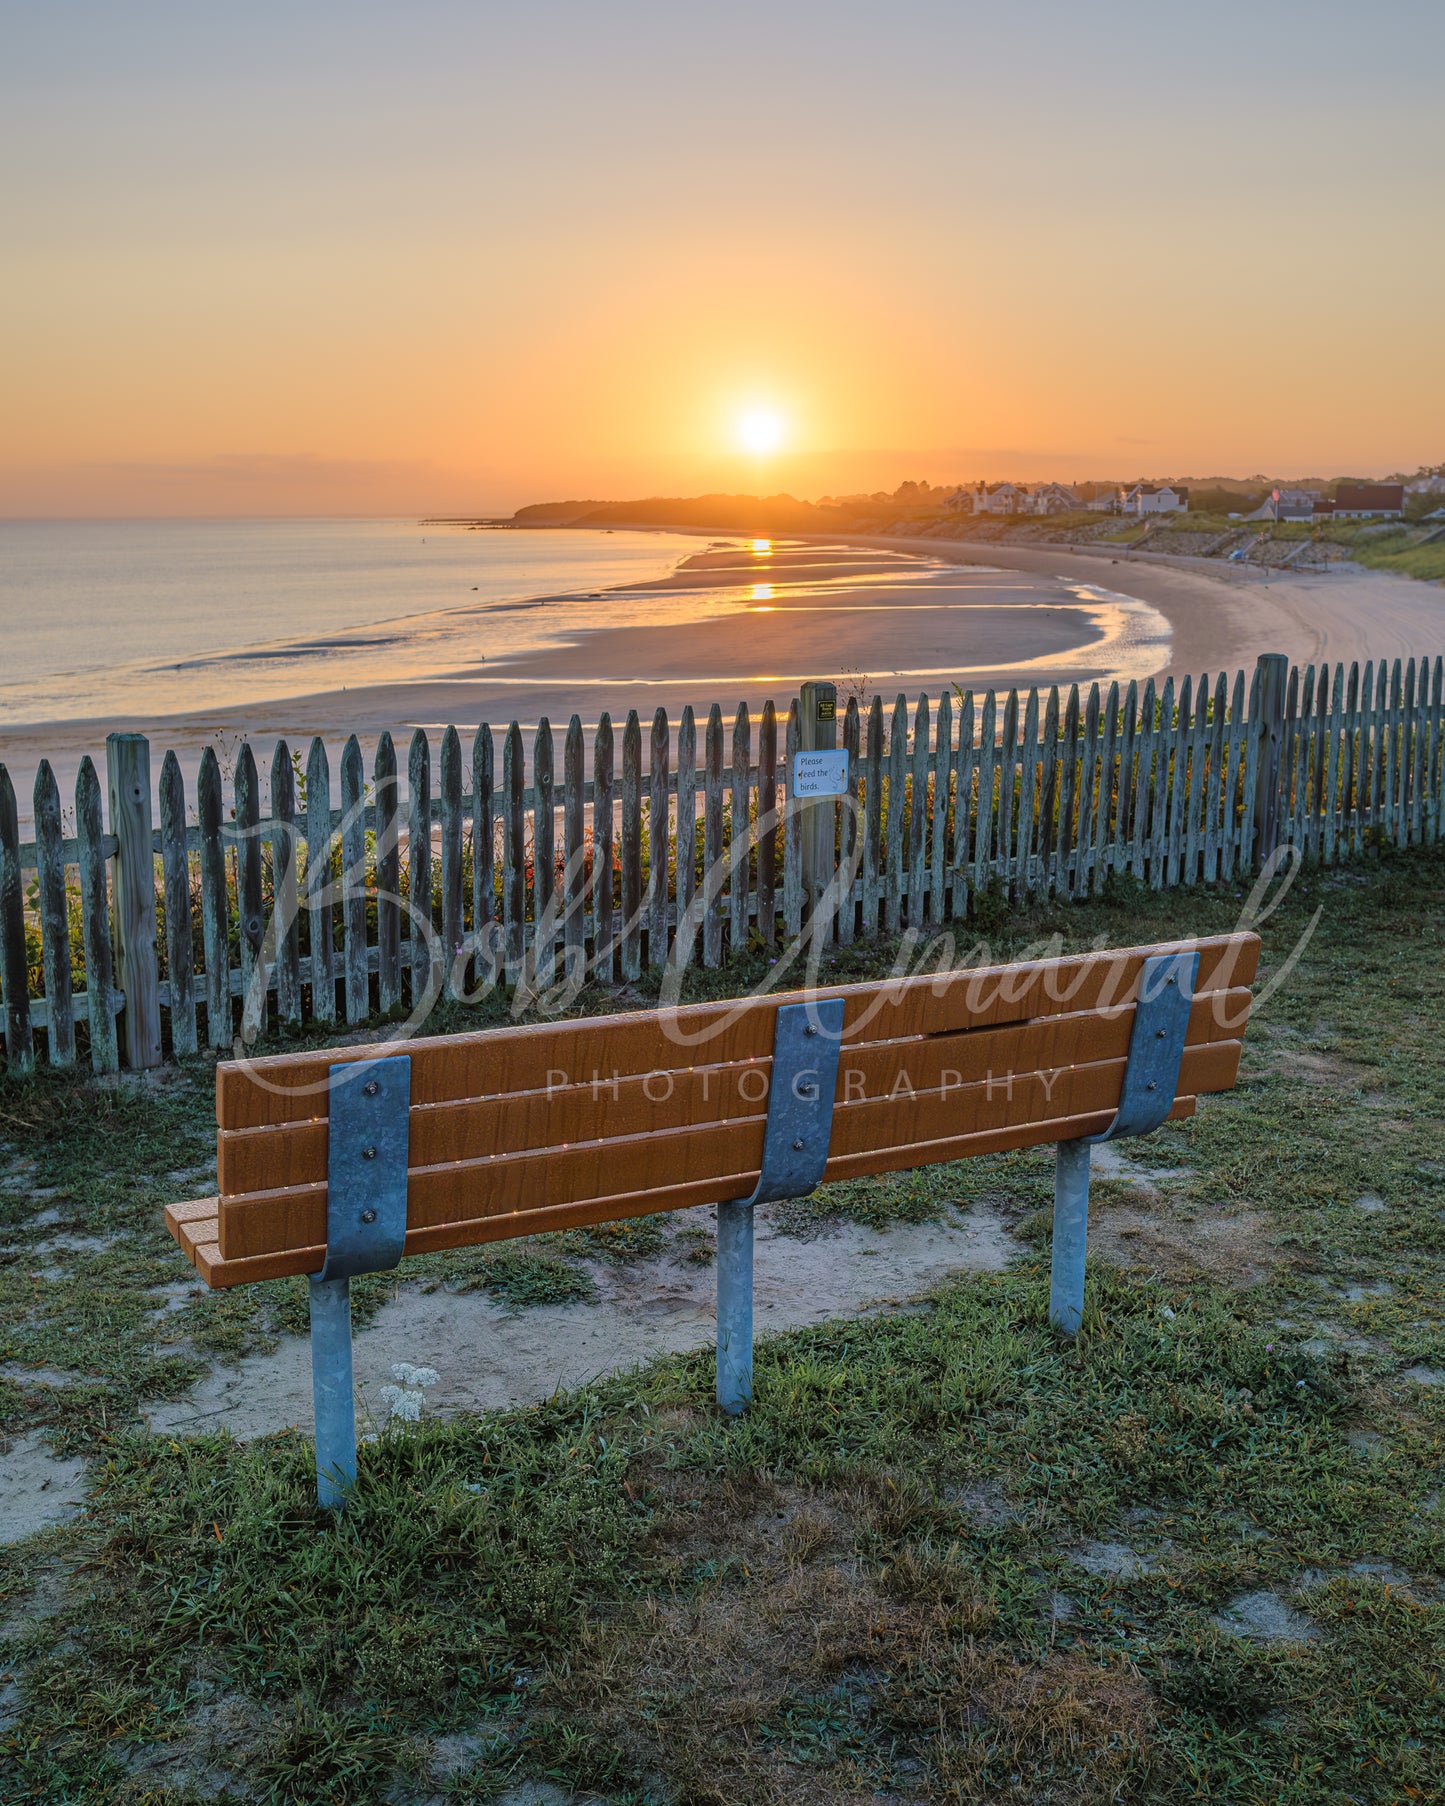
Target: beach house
1155,498
1000,498
1366,501
1053,498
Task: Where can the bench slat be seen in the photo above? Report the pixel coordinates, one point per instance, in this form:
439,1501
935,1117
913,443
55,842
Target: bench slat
198,1239
275,1158
723,1158
500,1062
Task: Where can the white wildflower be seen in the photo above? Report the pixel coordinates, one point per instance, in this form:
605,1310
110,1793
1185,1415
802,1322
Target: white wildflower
407,1375
405,1405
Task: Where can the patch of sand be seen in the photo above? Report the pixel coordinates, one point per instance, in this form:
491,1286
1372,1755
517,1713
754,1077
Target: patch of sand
37,1488
488,1355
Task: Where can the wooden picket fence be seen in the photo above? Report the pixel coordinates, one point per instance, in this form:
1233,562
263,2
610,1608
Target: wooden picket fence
131,943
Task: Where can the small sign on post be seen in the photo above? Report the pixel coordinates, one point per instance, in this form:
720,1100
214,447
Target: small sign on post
820,774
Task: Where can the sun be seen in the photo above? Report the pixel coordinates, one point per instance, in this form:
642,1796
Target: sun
760,431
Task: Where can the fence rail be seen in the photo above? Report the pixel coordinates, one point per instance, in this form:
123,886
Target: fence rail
180,919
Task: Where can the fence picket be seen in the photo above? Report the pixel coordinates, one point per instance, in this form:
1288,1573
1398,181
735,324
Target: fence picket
604,936
712,840
1141,808
850,838
917,878
95,921
544,859
574,847
1028,775
484,855
792,832
873,820
942,786
387,829
1068,788
1105,810
1333,749
1437,750
1088,768
897,793
417,931
356,985
963,807
1306,734
740,836
768,826
215,904
320,914
1007,778
1214,790
285,928
687,834
14,973
54,912
1179,783
255,978
983,827
1194,792
1158,853
1128,756
453,830
176,893
658,831
1046,839
632,847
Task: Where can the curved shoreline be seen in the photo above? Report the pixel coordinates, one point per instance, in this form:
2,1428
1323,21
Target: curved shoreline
1224,616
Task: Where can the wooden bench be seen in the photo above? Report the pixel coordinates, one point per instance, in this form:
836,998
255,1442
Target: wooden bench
338,1163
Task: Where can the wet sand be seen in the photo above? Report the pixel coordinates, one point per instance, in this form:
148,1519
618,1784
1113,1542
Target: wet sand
733,624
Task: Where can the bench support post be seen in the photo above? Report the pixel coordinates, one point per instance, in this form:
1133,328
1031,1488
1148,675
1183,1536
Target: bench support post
1071,1224
807,1039
734,1306
332,1391
368,1124
1151,1080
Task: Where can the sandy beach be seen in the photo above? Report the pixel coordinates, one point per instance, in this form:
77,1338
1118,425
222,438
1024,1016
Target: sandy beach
1223,615
749,621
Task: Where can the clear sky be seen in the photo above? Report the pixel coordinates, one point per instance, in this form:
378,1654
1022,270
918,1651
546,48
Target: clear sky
324,257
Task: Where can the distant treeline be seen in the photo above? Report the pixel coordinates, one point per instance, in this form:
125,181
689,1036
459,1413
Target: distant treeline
727,513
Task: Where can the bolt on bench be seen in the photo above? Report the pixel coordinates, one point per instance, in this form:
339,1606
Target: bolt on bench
343,1162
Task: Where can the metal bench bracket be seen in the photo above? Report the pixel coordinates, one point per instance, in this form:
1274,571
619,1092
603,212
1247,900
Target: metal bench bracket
366,1166
1151,1079
367,1137
807,1042
1156,1046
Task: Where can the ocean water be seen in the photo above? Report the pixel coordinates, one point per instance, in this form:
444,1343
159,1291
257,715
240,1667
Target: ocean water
138,618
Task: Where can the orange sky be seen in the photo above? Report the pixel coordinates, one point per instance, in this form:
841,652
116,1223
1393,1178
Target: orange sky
455,261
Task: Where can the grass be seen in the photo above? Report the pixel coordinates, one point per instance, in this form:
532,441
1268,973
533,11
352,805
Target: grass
900,1577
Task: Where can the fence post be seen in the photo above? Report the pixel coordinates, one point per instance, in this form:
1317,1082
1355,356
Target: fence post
1273,668
19,1041
133,888
817,732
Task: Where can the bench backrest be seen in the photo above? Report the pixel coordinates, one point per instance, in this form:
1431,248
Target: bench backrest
517,1130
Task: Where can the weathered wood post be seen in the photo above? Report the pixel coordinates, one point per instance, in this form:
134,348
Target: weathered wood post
817,732
19,1040
1273,669
133,892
